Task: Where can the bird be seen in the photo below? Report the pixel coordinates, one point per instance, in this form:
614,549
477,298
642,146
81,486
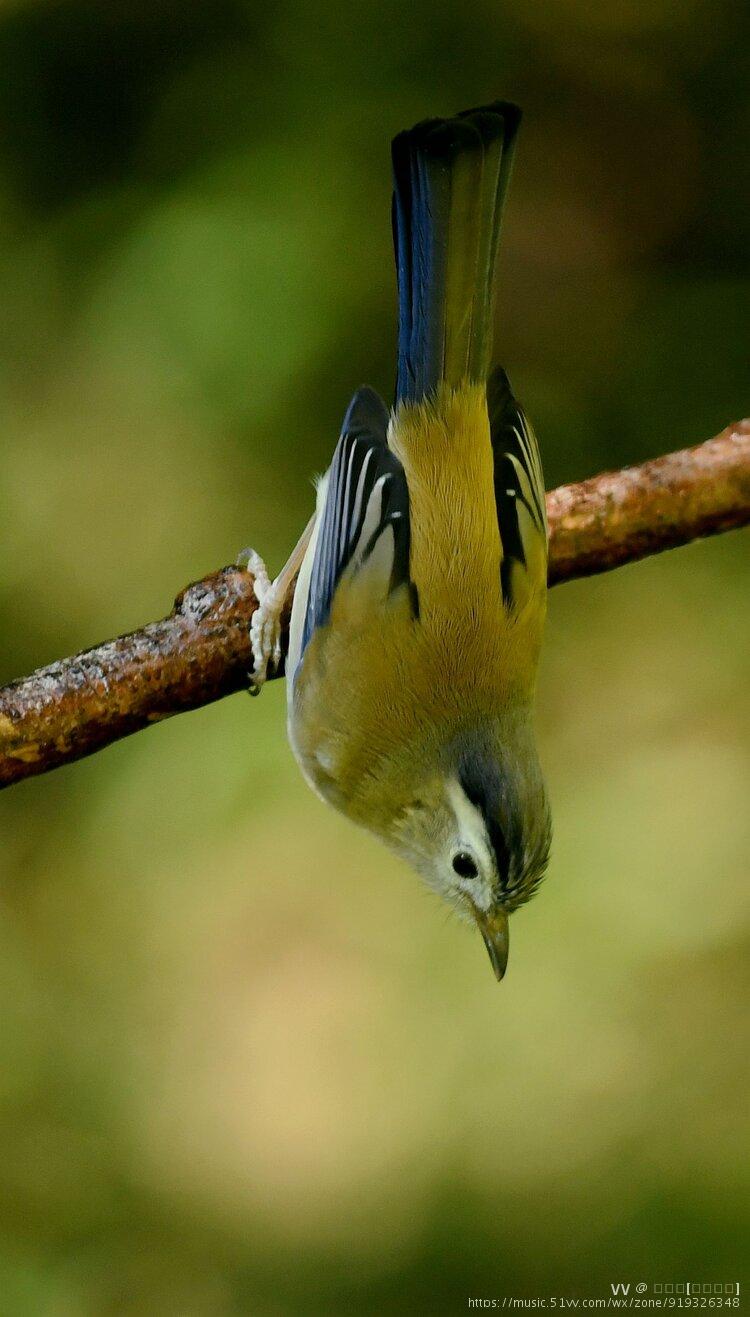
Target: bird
421,579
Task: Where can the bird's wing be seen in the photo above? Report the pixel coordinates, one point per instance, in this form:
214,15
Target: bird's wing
366,505
519,495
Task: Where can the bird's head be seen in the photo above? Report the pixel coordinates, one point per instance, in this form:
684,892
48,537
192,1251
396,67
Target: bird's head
478,830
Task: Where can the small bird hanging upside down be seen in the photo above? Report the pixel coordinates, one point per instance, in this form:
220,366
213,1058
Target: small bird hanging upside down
419,606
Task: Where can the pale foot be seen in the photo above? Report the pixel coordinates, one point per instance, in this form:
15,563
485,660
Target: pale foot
265,623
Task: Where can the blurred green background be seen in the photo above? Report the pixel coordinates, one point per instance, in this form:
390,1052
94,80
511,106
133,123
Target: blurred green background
246,1064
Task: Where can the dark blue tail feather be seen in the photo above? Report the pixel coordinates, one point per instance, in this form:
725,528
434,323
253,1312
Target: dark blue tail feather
450,177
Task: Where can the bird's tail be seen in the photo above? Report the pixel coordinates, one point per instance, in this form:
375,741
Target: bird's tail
450,178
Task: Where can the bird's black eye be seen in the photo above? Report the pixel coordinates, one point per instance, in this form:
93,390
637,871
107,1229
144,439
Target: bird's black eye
464,865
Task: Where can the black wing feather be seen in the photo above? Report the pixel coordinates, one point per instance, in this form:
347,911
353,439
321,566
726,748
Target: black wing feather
519,492
363,469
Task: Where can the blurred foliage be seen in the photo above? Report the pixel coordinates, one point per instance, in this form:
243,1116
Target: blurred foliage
246,1064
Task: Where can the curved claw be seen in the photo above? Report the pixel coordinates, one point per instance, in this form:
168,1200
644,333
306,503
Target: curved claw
265,623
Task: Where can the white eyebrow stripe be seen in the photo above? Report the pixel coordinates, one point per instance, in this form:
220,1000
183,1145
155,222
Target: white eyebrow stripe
472,831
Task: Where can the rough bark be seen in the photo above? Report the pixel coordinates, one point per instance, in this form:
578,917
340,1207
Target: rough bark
200,652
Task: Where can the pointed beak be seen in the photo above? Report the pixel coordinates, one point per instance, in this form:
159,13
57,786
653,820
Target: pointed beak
494,929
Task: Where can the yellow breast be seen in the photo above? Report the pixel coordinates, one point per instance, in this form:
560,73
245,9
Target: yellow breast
376,680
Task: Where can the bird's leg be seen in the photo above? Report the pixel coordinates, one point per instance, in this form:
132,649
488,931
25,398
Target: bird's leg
265,623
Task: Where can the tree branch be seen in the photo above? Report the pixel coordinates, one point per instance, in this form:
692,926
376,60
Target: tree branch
622,516
201,652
